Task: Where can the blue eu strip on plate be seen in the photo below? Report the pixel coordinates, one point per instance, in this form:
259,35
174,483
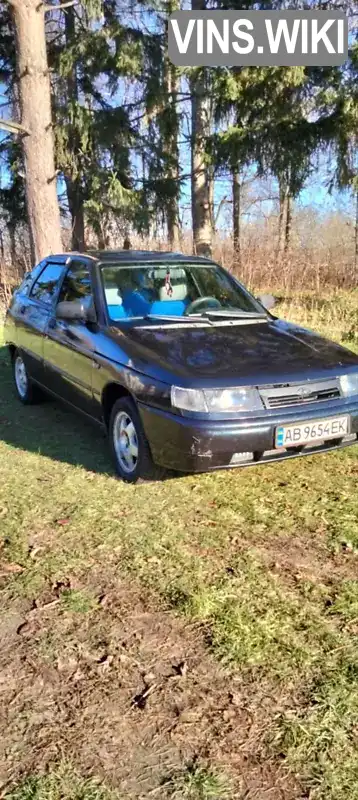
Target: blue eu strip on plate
279,437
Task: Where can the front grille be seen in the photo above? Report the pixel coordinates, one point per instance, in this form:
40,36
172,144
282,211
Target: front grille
279,397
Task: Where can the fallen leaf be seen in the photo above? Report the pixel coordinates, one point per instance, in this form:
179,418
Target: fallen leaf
140,699
181,668
59,586
44,607
67,663
149,678
24,627
229,714
35,551
79,675
62,521
105,662
235,698
103,600
11,568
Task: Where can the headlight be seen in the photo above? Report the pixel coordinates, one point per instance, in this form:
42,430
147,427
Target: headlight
188,399
349,384
216,400
233,399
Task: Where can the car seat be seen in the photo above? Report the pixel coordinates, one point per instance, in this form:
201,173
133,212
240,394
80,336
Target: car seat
173,304
114,303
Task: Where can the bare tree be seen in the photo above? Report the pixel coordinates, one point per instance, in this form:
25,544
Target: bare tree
36,127
236,214
285,218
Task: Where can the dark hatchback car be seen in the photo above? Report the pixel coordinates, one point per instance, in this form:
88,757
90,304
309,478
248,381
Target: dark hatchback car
184,368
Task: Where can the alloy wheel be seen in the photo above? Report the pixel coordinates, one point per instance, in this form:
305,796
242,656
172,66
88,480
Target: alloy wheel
125,442
21,379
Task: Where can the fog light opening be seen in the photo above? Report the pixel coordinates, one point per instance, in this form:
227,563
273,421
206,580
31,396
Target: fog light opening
350,438
239,458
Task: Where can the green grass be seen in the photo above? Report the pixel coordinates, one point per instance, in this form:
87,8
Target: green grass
78,601
62,783
320,739
259,624
264,560
194,782
197,782
334,315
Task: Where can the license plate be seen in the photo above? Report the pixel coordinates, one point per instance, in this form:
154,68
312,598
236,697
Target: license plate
312,431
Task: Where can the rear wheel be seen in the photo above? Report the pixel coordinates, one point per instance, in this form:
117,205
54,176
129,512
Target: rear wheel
129,446
26,391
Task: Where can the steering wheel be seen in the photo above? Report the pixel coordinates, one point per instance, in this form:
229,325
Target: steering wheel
201,302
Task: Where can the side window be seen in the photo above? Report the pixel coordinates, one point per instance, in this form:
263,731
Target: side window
77,284
44,289
29,278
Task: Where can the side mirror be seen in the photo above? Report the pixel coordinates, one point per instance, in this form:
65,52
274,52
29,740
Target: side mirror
76,311
267,301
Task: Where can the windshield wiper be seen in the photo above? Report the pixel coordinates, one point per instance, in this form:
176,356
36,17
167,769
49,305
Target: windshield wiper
171,318
225,312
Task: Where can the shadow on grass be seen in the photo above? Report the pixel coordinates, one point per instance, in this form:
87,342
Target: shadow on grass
50,428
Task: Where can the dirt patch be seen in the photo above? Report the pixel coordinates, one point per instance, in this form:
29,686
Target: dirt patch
298,558
129,692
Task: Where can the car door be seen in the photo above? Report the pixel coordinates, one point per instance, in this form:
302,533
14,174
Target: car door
69,346
33,314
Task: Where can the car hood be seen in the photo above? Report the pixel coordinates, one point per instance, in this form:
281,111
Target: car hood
259,353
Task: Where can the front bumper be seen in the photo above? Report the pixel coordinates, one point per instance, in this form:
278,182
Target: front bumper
196,445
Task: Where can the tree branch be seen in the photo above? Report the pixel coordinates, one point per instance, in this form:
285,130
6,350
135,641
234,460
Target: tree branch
67,4
13,127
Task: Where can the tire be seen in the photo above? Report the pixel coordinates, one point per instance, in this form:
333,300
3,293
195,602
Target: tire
26,391
132,457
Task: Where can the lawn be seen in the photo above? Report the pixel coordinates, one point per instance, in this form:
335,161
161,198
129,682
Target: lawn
193,639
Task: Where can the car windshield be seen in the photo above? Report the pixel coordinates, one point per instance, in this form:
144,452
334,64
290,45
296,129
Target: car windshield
175,290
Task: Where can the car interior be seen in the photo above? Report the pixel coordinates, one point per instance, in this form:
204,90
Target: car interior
172,291
159,292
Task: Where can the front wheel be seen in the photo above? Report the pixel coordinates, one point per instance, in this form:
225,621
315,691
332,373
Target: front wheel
129,446
25,389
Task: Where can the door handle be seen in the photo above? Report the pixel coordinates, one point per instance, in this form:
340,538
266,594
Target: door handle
52,323
22,309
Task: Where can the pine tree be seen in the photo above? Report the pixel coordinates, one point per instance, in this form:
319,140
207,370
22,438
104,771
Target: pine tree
96,136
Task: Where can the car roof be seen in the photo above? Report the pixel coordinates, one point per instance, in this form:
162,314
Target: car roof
128,256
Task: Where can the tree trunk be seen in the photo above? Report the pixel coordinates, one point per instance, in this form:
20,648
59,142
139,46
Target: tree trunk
211,186
172,82
281,218
285,219
288,222
35,103
236,214
356,242
75,205
200,180
73,178
200,184
12,239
